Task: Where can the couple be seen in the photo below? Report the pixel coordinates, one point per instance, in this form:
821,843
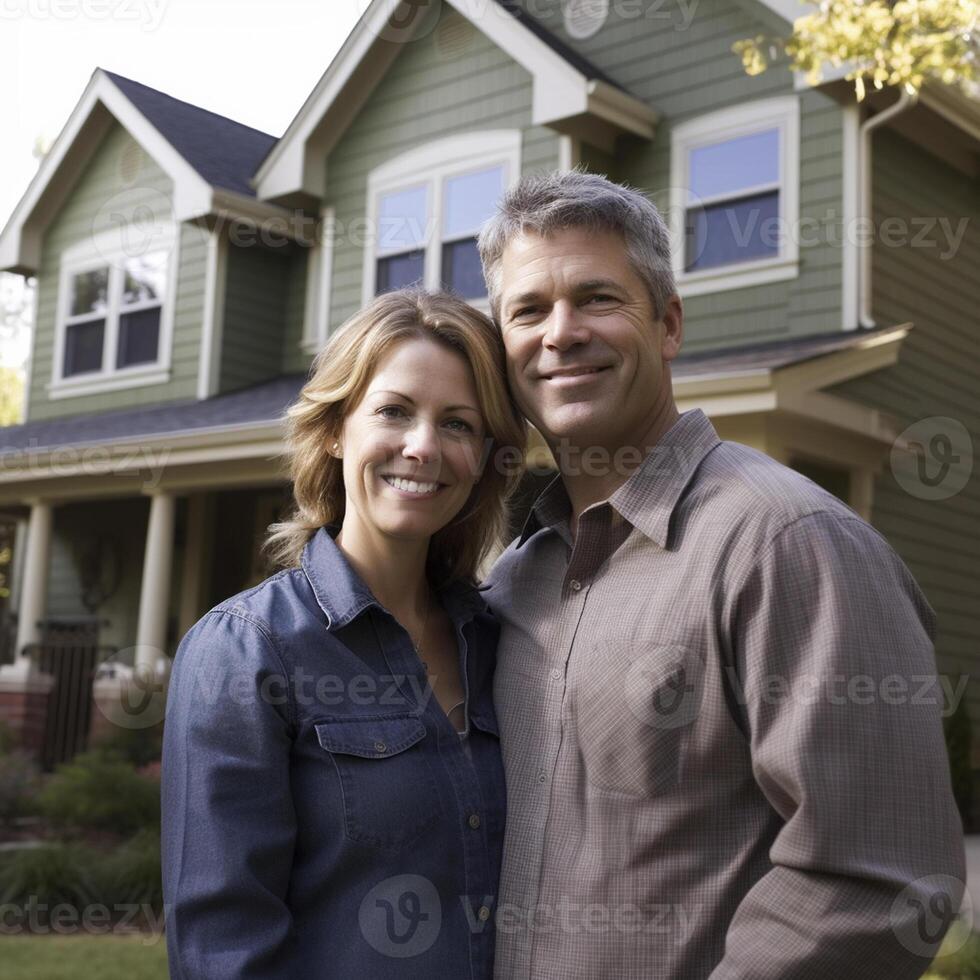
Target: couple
626,690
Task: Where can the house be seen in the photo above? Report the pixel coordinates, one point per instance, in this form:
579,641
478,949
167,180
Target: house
188,268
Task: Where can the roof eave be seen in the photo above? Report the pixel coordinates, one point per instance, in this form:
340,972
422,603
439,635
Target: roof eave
20,239
562,97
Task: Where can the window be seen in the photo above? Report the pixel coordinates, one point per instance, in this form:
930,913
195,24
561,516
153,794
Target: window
114,317
427,207
734,196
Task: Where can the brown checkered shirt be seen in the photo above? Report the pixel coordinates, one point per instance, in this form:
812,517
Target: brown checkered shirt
721,727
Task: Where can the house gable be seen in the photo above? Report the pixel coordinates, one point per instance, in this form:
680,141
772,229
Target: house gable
450,87
102,105
565,93
119,177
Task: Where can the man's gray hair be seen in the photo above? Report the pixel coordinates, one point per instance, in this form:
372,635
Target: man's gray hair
546,203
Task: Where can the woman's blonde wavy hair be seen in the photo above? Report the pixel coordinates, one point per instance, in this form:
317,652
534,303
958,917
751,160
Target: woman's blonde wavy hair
339,377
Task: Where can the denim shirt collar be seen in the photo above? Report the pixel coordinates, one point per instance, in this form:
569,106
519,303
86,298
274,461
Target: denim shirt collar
342,594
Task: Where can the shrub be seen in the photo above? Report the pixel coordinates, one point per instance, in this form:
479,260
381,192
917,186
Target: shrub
7,738
962,963
131,875
19,777
46,876
98,791
137,746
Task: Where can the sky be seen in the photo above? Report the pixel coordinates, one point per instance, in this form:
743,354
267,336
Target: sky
255,62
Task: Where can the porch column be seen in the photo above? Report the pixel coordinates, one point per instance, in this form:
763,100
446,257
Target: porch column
34,587
151,629
196,564
23,688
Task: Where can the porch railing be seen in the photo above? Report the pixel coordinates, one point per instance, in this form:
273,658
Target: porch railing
8,638
70,652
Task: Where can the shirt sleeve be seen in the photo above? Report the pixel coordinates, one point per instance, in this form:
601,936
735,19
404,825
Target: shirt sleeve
832,640
228,822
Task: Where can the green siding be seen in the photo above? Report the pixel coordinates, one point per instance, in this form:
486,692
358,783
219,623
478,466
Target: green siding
294,359
256,296
938,374
83,215
434,89
687,71
121,527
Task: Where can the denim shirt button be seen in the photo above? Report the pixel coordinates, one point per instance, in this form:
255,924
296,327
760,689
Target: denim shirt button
380,747
474,821
483,914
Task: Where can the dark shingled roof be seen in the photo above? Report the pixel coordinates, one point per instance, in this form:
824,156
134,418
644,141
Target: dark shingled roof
263,402
556,44
224,152
770,355
266,402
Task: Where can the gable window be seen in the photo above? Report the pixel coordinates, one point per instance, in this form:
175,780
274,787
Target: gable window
427,207
734,196
114,318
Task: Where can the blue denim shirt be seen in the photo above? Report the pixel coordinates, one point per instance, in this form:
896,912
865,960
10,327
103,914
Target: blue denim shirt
322,818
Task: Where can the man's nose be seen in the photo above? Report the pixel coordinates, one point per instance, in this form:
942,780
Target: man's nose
565,327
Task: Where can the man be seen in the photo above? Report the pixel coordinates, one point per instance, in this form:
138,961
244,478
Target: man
713,767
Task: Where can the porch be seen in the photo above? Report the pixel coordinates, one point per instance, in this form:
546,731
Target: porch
122,541
124,529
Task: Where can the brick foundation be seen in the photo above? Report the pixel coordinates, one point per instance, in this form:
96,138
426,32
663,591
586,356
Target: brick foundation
25,713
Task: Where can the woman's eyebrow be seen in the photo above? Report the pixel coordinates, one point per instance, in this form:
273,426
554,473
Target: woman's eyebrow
411,401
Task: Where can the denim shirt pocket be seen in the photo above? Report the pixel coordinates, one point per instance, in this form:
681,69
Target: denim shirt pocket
390,794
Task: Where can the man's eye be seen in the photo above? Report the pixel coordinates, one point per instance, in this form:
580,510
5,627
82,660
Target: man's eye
601,298
524,311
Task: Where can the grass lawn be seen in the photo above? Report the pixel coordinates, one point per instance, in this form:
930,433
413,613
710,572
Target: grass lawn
83,957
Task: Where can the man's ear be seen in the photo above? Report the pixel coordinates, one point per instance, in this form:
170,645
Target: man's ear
673,335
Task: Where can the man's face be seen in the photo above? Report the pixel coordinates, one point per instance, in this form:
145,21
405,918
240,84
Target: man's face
586,357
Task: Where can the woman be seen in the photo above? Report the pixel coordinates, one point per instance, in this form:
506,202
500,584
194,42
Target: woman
333,797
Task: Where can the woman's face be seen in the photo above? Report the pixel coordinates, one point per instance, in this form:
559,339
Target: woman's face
413,446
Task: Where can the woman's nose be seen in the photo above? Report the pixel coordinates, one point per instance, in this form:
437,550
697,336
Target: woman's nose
422,443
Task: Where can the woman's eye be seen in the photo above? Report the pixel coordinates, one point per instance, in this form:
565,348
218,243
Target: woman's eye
396,411
458,425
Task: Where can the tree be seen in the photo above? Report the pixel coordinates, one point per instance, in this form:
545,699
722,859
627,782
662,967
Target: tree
11,396
16,304
899,43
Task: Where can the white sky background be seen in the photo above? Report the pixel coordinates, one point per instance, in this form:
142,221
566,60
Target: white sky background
254,61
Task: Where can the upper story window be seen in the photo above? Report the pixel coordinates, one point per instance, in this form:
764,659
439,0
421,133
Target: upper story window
426,208
112,303
114,316
735,196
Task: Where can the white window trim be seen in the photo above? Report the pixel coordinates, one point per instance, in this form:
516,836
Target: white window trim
319,285
94,253
432,164
715,127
